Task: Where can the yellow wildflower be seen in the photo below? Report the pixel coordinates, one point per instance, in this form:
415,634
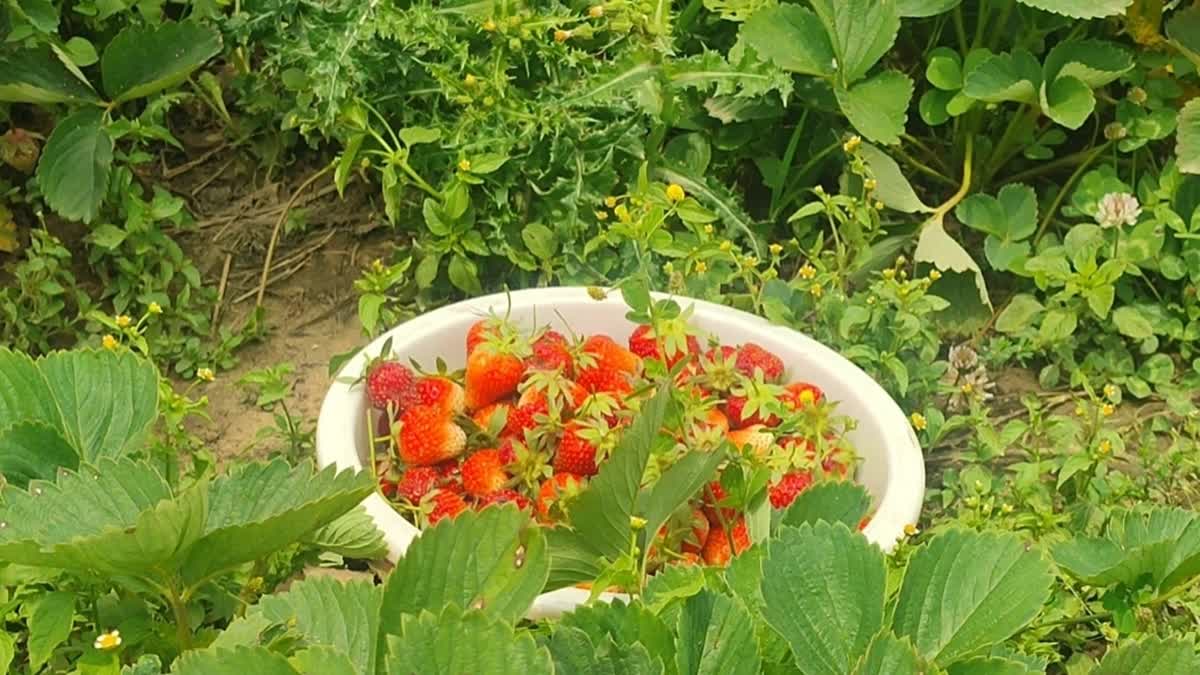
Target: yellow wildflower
1107,409
602,215
470,80
206,374
808,271
934,275
1105,446
817,290
596,11
701,266
123,321
775,249
1111,391
610,202
675,192
561,35
918,421
109,342
154,308
464,165
726,245
708,229
851,145
910,529
108,641
870,184
489,26
622,213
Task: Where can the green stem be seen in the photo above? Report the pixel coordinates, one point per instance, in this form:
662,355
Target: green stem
183,624
980,23
1005,148
1066,160
929,171
418,181
961,30
1062,194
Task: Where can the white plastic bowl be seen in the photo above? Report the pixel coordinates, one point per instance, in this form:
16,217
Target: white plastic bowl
892,467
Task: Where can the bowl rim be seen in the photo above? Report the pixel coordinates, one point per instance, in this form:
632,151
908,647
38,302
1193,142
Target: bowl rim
898,507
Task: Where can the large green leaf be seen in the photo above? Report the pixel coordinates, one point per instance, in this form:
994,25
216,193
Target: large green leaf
1151,656
1068,101
344,616
679,483
825,590
1187,147
237,661
626,625
1161,543
24,394
792,37
878,107
39,76
936,247
141,60
894,189
572,558
861,32
73,171
105,425
1005,77
119,518
49,626
991,665
1184,30
323,661
495,560
260,508
716,637
1093,62
925,8
34,451
964,591
575,653
891,655
601,514
456,643
353,535
1008,219
833,502
1081,9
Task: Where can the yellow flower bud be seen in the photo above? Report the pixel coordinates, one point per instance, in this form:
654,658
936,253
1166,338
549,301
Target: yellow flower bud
675,192
464,165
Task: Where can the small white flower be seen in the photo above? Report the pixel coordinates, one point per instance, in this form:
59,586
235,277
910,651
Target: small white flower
1118,208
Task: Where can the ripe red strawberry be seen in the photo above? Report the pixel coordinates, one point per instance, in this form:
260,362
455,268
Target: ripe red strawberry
483,473
717,551
752,357
480,331
448,468
416,482
388,382
437,391
446,504
756,437
608,354
553,490
600,378
575,454
522,418
791,484
550,352
645,343
508,453
735,409
492,374
428,436
800,395
507,496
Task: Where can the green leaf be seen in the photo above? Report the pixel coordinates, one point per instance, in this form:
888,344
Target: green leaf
893,189
716,637
1011,215
1081,9
891,655
1132,323
792,37
237,661
716,197
326,612
73,171
103,426
34,451
1093,62
619,79
878,107
826,588
572,558
40,76
464,275
82,52
142,60
24,393
427,270
1068,101
411,136
8,650
1187,146
832,502
1005,77
1184,30
861,32
1162,544
575,653
49,626
353,535
920,9
991,665
679,483
626,625
347,162
260,508
1150,656
540,240
455,643
495,559
964,591
944,69
601,513
939,249
323,661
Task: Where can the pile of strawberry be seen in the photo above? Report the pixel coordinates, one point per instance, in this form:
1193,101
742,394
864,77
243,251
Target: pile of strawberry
533,417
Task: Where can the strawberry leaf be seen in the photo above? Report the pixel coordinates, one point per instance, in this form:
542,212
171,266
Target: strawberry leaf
1161,543
1151,656
329,613
716,635
965,591
494,560
457,642
891,655
626,625
682,481
260,508
141,60
237,661
574,652
825,586
75,164
1081,9
323,661
34,451
353,535
840,502
24,392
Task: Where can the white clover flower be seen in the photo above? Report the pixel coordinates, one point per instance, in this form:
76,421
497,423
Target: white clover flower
1118,208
